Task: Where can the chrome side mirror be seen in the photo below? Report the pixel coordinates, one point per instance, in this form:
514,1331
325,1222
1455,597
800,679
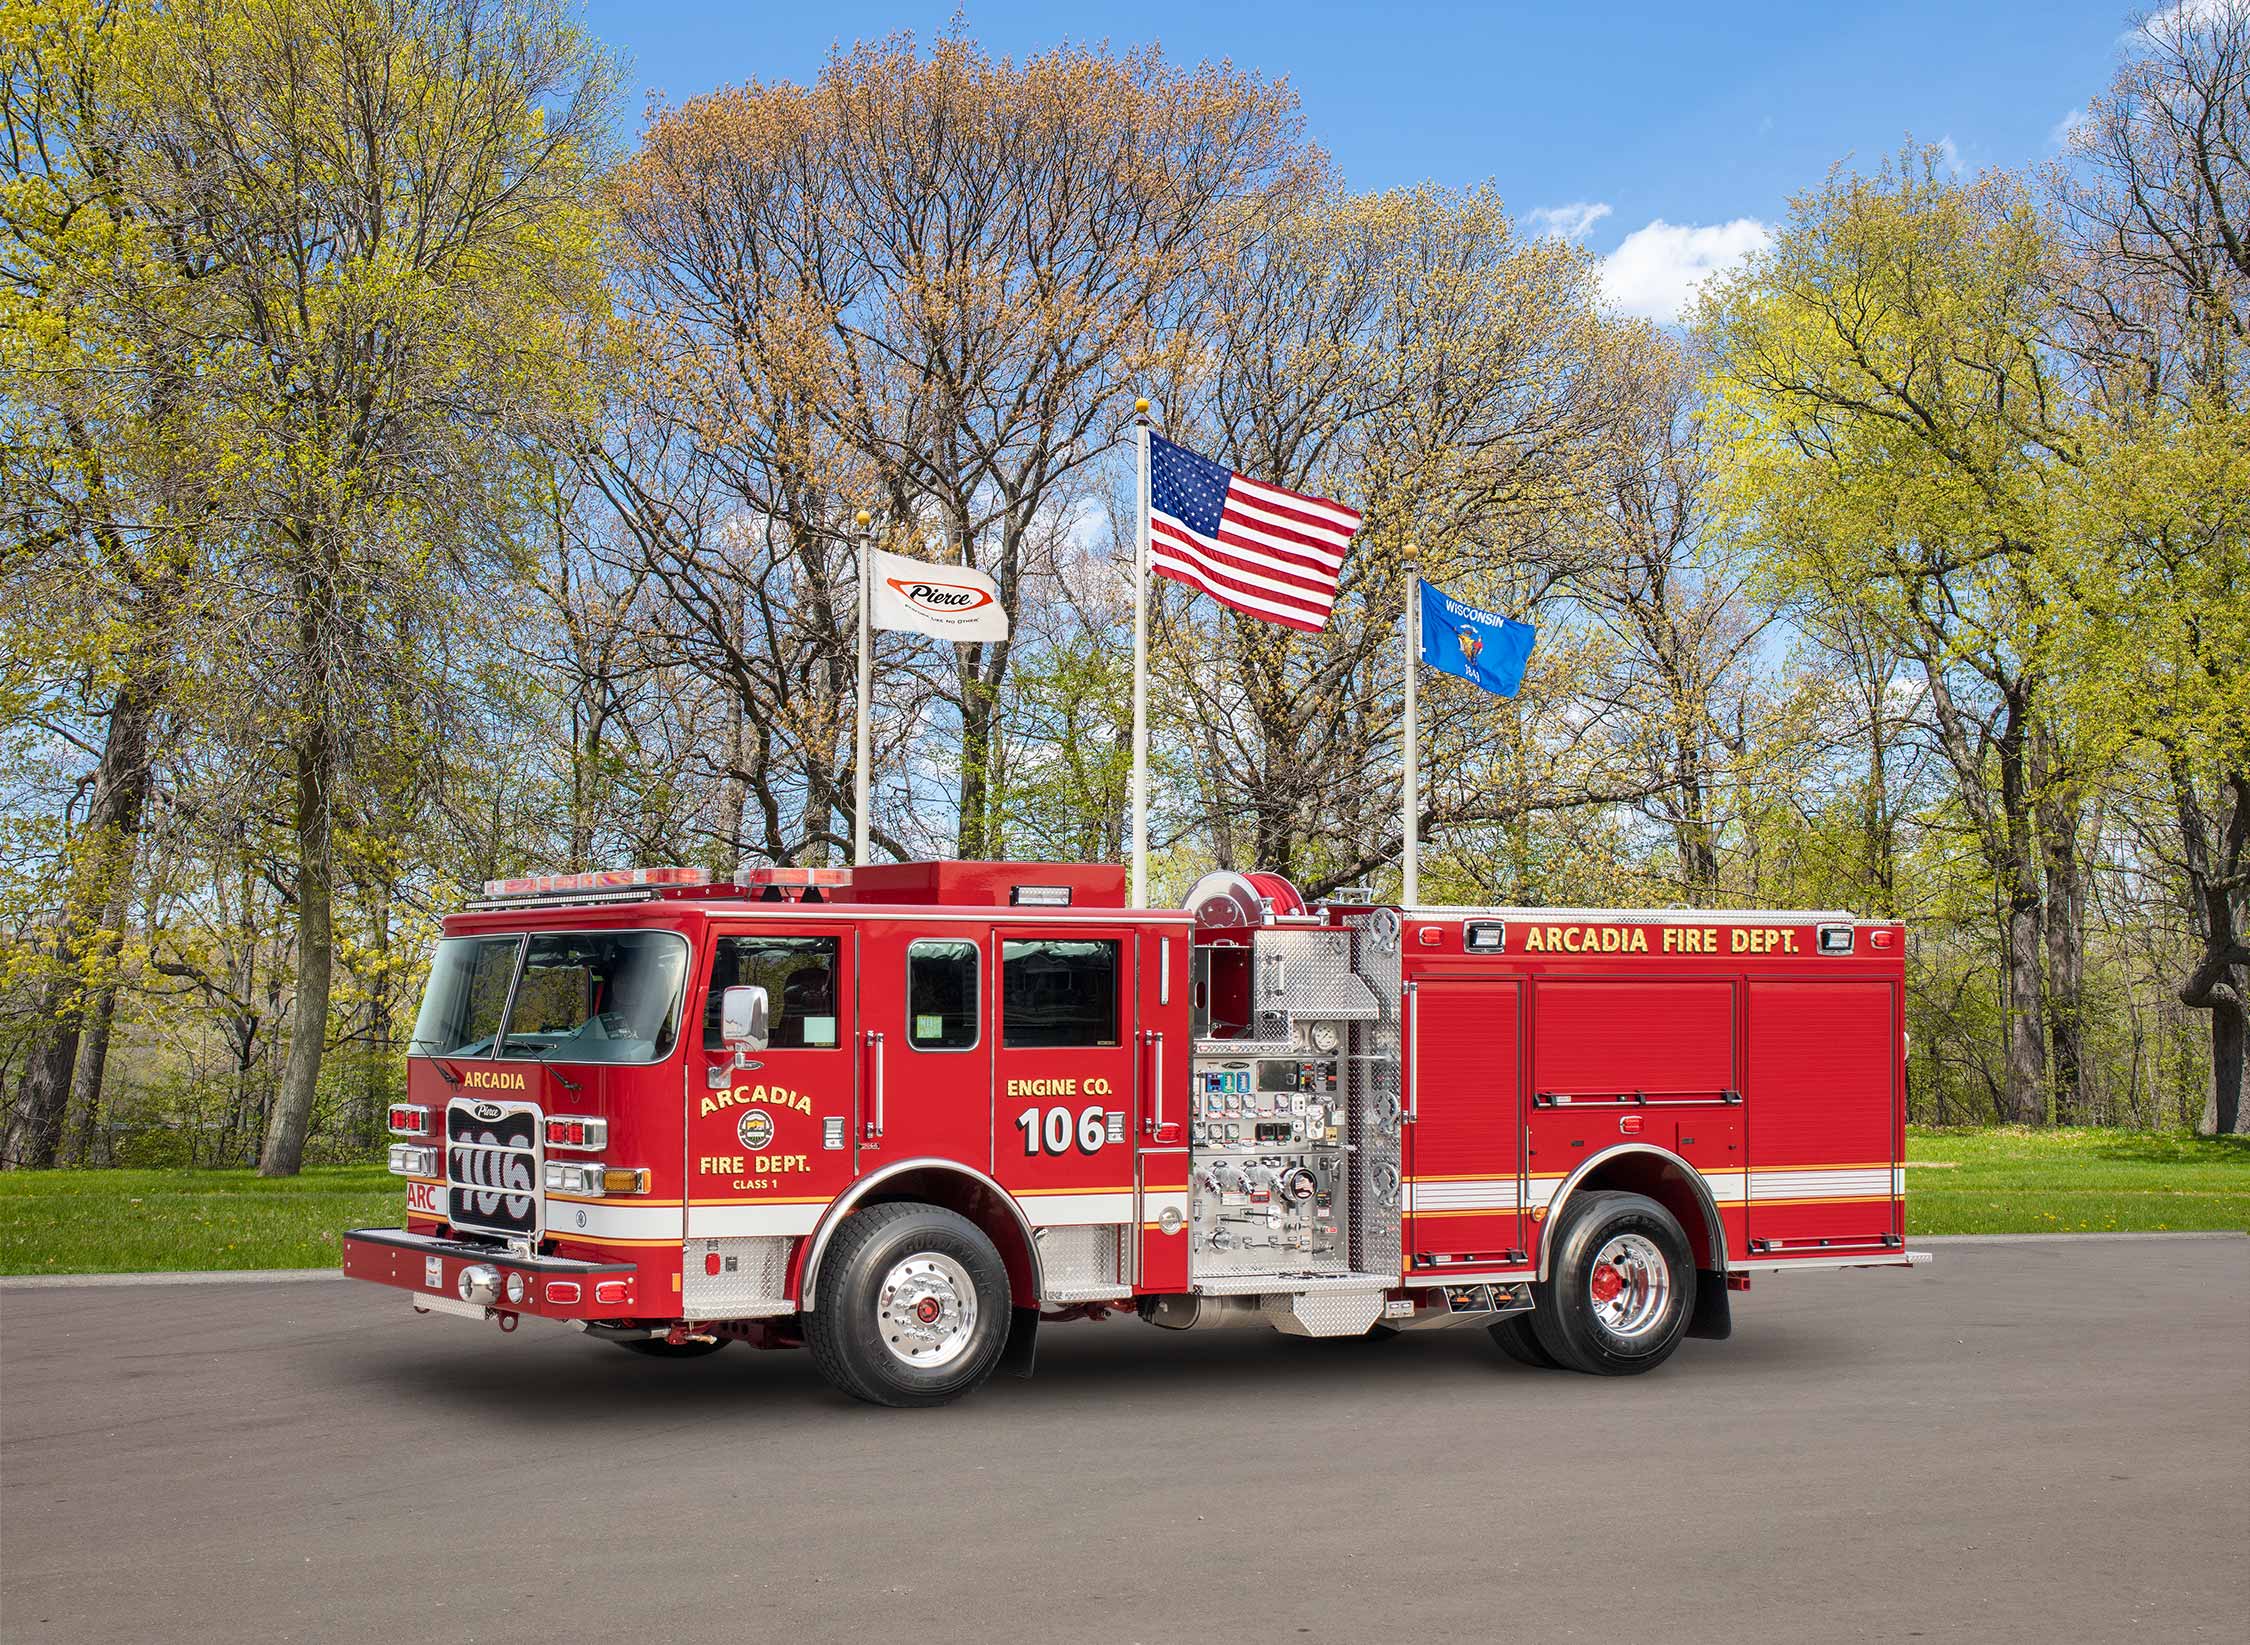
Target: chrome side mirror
742,1017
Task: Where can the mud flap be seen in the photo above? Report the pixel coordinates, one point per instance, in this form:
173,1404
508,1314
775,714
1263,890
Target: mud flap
1023,1342
1712,1317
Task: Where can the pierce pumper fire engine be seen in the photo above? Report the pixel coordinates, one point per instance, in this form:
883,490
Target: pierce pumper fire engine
903,1115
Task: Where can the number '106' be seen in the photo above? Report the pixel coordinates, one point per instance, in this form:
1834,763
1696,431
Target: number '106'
1054,1130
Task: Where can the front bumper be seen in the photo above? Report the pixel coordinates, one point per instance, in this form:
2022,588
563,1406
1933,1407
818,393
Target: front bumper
551,1287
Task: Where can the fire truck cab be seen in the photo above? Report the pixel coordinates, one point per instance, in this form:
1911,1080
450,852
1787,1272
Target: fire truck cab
903,1114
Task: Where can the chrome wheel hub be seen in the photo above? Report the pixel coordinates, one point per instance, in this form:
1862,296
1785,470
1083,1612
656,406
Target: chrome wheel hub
1629,1286
926,1309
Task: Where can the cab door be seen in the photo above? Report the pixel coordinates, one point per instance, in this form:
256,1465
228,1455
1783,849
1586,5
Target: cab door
1066,1089
925,1044
771,1140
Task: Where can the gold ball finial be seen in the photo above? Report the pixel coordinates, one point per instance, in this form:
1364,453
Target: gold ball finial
1140,408
1413,553
864,518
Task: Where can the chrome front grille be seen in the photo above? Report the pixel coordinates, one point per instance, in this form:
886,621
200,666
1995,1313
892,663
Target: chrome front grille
492,1166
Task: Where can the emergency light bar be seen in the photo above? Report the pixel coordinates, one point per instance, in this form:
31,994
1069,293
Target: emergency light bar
600,879
777,882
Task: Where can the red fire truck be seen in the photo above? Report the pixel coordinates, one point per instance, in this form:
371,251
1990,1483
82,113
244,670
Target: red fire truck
902,1115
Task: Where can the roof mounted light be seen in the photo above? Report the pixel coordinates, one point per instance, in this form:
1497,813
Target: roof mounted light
1836,939
600,879
1039,896
781,882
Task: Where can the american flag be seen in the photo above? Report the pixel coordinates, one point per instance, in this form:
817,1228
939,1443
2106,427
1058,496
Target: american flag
1272,553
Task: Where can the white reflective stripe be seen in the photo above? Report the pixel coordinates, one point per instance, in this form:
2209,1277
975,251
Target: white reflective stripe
1853,1184
595,1220
1898,1180
1476,1194
1156,1201
1727,1187
1051,1210
724,1221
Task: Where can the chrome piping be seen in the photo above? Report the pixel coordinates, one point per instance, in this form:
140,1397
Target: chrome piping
843,1205
1413,1051
1702,1192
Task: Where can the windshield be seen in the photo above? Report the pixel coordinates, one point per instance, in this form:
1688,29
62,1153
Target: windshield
469,979
598,996
583,996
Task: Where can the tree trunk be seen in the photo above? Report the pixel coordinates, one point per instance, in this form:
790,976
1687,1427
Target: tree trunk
2225,1113
2066,957
283,1153
100,869
101,1016
2217,853
2024,938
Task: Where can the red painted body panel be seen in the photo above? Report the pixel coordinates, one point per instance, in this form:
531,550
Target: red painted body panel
1728,1042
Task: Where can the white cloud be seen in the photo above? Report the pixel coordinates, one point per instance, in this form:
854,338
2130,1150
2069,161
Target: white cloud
2059,135
1656,271
1950,152
1572,222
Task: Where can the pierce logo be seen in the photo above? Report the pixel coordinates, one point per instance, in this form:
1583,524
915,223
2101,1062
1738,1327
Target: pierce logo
951,599
755,1128
488,1111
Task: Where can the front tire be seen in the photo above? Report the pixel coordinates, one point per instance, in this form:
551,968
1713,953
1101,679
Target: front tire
1621,1289
914,1307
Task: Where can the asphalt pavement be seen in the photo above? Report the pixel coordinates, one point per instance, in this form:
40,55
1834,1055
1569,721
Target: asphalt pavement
2042,1441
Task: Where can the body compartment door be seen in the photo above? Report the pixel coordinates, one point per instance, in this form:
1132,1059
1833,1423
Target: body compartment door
1465,1148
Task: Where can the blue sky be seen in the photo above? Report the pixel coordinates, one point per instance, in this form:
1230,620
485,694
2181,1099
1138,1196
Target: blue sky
1702,118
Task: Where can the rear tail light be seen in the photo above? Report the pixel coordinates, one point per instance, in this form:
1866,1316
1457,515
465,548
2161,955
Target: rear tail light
577,1131
409,1119
563,1291
612,1291
408,1160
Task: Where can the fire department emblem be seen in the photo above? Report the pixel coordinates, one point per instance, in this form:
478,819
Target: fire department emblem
755,1128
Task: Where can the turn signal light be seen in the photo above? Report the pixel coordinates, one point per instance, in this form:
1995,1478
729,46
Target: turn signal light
409,1119
574,1131
618,1179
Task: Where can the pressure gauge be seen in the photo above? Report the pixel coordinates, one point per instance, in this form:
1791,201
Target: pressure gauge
1324,1038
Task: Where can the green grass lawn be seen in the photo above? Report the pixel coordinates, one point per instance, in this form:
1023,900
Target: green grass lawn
128,1222
2018,1181
1957,1182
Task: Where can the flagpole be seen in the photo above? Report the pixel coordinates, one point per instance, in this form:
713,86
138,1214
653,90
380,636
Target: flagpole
1140,662
1410,780
864,735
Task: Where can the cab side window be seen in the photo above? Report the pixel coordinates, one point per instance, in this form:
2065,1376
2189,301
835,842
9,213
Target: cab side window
1058,991
941,994
799,977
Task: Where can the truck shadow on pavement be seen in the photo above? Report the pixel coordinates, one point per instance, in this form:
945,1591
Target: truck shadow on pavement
577,1381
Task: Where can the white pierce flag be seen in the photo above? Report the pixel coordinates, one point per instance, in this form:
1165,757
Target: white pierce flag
947,602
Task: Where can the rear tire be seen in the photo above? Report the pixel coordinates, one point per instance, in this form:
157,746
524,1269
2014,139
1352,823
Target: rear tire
914,1307
1519,1343
1621,1289
658,1348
